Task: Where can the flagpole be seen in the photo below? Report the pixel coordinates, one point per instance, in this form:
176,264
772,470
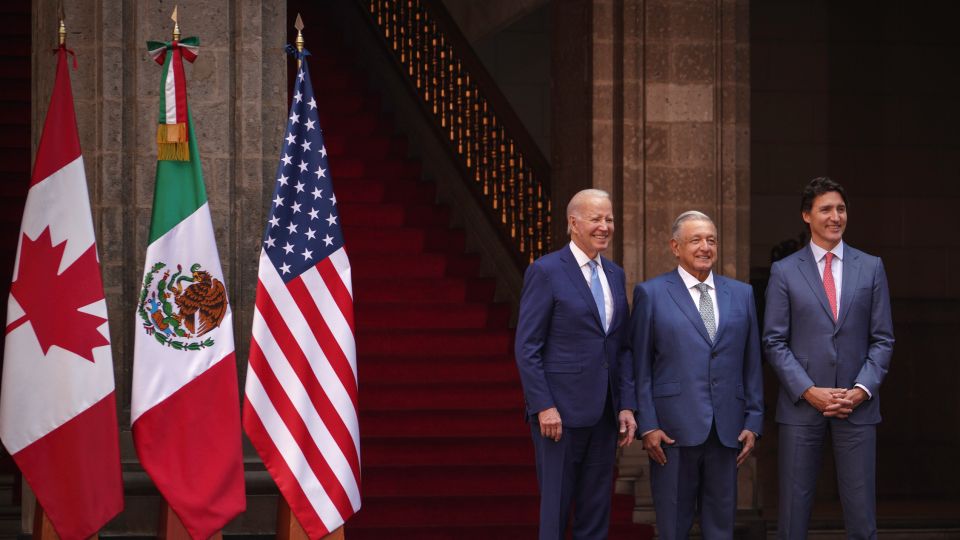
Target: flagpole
42,527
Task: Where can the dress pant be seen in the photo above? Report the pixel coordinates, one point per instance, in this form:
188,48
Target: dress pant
696,479
578,470
800,456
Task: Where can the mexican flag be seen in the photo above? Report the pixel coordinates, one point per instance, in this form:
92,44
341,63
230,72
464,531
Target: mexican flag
185,407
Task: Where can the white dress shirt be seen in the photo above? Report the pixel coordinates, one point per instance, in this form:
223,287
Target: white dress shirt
836,266
691,283
583,261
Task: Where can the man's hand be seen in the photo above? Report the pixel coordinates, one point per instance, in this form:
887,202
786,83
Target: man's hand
831,402
748,440
847,402
628,428
857,395
550,425
652,442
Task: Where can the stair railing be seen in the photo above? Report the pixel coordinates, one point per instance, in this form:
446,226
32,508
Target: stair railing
505,168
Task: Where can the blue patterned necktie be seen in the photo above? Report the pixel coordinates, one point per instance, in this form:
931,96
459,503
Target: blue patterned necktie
597,289
706,309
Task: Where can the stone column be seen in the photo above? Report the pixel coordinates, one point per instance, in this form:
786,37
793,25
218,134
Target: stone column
237,96
667,130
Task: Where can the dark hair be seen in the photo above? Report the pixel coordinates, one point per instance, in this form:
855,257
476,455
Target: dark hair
819,186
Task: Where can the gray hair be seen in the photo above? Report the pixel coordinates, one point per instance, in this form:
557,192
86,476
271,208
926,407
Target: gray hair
689,215
578,199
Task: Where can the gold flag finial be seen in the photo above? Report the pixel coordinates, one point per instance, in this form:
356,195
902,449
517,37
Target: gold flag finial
176,24
299,26
62,30
299,41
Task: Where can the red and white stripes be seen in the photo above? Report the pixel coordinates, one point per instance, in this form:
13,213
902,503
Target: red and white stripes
300,409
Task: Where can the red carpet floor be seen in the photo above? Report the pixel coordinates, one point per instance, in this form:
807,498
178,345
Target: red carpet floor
445,451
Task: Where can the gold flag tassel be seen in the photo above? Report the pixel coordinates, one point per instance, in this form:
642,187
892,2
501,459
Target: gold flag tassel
172,142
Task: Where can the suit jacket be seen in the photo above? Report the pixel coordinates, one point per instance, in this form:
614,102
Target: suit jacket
806,347
565,358
684,381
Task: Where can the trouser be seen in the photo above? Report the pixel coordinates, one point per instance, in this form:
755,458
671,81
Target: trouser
800,456
577,470
696,478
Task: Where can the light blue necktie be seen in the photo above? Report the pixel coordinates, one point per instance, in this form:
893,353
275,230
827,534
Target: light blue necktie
597,289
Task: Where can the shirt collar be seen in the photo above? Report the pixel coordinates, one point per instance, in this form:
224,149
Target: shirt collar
581,257
819,252
690,282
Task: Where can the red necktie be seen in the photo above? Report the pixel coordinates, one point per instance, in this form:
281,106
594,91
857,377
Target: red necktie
829,286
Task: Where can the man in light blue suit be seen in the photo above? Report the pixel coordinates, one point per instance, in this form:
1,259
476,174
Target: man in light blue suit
699,385
570,339
828,335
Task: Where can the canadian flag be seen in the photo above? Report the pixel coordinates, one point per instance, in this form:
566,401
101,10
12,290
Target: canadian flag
58,414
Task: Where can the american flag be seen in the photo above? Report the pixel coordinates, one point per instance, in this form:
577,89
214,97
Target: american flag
300,408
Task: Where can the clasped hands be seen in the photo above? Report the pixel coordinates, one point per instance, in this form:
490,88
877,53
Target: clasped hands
835,402
551,427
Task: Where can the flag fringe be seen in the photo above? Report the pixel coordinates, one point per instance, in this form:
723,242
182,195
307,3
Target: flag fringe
172,143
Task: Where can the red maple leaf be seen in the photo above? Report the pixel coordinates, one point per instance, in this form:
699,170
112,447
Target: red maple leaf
51,301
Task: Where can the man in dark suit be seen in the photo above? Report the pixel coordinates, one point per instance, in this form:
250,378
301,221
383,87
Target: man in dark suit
570,338
828,335
699,386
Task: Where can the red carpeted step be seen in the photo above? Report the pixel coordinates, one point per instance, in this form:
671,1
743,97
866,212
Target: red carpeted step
373,369
367,190
448,532
373,146
391,215
515,450
439,316
425,291
446,395
426,343
417,265
389,513
349,168
482,423
405,240
446,480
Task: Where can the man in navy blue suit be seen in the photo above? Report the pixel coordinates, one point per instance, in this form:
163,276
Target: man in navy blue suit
828,335
570,339
699,387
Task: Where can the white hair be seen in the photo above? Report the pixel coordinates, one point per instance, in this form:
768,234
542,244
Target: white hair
576,201
689,215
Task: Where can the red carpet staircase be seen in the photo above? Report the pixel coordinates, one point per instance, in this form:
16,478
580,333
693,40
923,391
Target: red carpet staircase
445,451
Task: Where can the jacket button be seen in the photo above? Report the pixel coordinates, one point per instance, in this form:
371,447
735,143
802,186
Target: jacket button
605,365
713,354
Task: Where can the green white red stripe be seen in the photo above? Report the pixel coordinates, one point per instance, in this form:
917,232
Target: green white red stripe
185,402
173,86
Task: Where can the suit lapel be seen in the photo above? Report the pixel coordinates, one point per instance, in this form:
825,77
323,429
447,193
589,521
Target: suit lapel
848,290
808,269
573,272
684,301
723,305
615,293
